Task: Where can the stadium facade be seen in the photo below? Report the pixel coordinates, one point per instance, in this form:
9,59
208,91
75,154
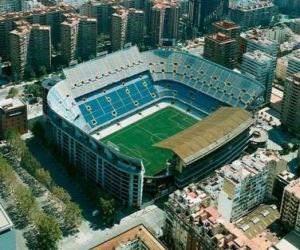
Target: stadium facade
102,96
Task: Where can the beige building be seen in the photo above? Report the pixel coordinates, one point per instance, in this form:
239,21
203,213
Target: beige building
119,28
290,109
19,49
290,206
281,68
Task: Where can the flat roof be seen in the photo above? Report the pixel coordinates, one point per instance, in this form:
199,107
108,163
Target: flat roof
11,103
137,233
208,134
5,222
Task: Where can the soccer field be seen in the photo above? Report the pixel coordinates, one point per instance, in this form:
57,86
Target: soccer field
138,139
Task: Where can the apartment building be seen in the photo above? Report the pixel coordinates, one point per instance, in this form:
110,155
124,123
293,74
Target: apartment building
247,183
262,67
119,28
135,26
290,206
290,109
221,49
228,28
13,115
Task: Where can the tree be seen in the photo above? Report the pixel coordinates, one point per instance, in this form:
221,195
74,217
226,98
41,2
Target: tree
108,209
7,175
29,163
15,142
44,177
48,232
61,194
25,201
72,215
12,93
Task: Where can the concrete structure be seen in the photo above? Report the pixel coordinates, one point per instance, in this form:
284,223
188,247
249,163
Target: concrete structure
262,67
119,28
10,6
7,231
281,67
51,16
221,49
135,26
228,28
290,109
247,183
193,224
164,22
79,135
249,14
293,63
290,206
19,49
203,13
13,115
138,237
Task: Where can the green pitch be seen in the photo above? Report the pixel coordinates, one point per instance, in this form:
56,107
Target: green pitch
138,139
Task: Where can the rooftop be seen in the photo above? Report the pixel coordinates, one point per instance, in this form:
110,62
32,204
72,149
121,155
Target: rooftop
139,235
5,222
227,24
11,103
208,134
258,56
220,37
294,188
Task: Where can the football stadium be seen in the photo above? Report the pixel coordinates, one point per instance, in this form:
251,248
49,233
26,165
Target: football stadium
137,123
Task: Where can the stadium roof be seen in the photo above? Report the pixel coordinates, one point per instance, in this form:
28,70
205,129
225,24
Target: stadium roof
208,134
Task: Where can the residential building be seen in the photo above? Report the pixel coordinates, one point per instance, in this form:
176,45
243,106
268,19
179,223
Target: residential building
202,13
135,26
262,67
138,237
7,231
193,224
40,48
288,6
281,67
51,16
247,183
119,28
290,109
19,49
221,49
164,22
281,181
293,63
69,39
7,6
13,115
228,28
290,206
249,14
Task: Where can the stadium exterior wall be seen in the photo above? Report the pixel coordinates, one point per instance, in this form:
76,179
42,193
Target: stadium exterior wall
113,172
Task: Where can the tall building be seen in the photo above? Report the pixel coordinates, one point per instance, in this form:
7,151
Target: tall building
281,181
221,49
30,49
290,206
135,26
119,28
40,47
102,11
288,6
164,22
246,183
87,38
7,6
293,63
13,115
69,39
249,14
290,109
262,67
51,16
202,13
254,40
19,49
228,28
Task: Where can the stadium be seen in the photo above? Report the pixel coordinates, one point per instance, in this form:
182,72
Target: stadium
137,122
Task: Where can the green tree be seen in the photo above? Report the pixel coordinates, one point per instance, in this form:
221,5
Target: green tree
44,177
48,232
7,175
25,201
12,93
108,209
29,163
61,194
14,140
72,215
